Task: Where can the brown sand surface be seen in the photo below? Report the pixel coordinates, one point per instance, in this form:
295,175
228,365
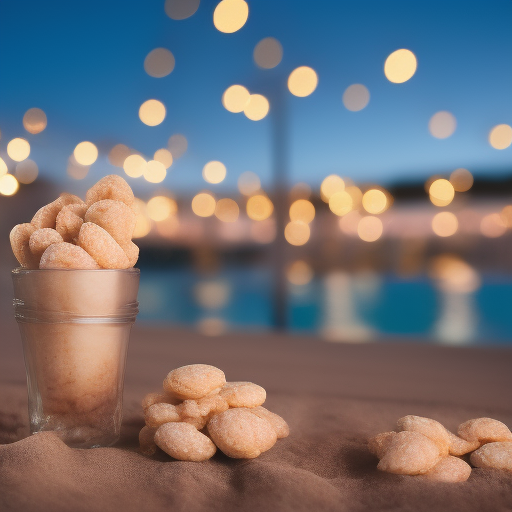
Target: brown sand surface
333,397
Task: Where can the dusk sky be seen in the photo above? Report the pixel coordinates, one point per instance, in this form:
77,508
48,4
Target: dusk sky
82,63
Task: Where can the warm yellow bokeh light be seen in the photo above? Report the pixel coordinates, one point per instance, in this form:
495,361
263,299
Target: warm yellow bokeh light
142,226
159,62
181,9
445,224
493,226
85,153
257,108
356,195
8,185
299,273
297,232
442,125
118,154
461,179
369,228
375,201
203,204
501,136
356,97
3,167
163,156
441,192
134,166
506,215
152,112
303,210
400,66
75,170
155,172
161,207
230,15
248,183
302,81
227,210
214,172
268,53
26,171
259,207
34,120
18,149
340,203
235,98
330,185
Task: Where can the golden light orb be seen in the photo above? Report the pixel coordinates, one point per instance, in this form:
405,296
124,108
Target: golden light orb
303,210
445,224
3,167
227,210
302,81
177,145
506,215
118,154
461,179
18,149
134,166
230,15
8,185
235,98
356,195
369,228
203,204
159,62
299,273
257,108
214,172
441,192
297,232
375,201
155,172
26,171
75,170
356,97
493,226
330,185
152,112
400,66
160,208
142,226
34,120
501,136
268,53
259,207
442,125
181,9
248,183
85,153
340,203
163,156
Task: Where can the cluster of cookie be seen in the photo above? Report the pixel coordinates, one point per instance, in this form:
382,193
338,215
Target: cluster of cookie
198,412
71,233
423,446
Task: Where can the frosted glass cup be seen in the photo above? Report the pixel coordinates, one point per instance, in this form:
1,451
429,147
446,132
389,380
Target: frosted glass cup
75,326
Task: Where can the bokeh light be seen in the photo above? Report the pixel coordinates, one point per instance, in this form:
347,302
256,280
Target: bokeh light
400,66
257,107
177,145
340,203
85,153
303,210
8,185
297,232
214,172
227,210
299,273
18,149
369,228
160,208
163,156
302,81
330,185
118,154
349,222
75,170
375,201
248,183
268,53
235,98
143,223
26,171
181,9
356,195
461,179
159,62
203,204
454,275
441,192
212,294
445,224
356,97
501,136
442,125
259,207
155,172
134,166
152,112
506,215
3,167
493,226
230,15
34,120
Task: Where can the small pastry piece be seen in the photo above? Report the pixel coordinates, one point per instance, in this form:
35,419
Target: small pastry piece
19,238
449,469
243,394
194,381
110,187
40,240
66,255
493,455
429,428
484,430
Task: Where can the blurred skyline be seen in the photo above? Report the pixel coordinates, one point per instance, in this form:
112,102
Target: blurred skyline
83,65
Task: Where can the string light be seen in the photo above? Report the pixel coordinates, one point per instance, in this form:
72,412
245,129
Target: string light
152,112
303,210
302,81
8,185
230,15
214,172
34,120
203,204
134,166
227,210
501,136
356,97
442,125
400,66
154,172
26,171
159,62
257,108
259,207
369,228
85,153
235,98
18,149
181,9
297,233
445,224
268,53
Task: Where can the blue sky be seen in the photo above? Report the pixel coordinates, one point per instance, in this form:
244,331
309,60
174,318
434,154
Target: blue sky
82,63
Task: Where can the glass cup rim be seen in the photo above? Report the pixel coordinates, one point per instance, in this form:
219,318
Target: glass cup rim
23,270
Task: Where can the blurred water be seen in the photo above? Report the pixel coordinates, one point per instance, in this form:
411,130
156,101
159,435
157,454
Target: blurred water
339,306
